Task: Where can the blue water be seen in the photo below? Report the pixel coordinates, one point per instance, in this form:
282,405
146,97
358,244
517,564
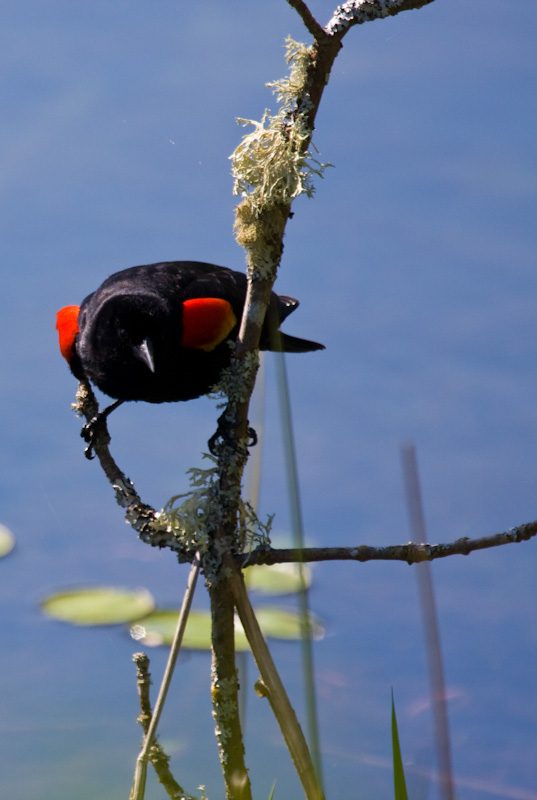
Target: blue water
415,264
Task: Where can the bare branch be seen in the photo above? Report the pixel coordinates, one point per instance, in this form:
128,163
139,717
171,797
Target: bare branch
315,28
273,689
411,553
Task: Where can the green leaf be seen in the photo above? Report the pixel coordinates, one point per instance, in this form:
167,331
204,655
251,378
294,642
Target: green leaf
7,541
277,578
398,772
100,605
159,628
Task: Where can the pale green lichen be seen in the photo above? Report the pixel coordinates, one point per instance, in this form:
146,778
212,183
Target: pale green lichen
272,165
298,55
234,387
224,695
194,516
260,235
192,520
81,398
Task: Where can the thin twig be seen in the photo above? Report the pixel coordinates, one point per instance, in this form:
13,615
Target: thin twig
158,758
412,553
143,683
314,27
141,763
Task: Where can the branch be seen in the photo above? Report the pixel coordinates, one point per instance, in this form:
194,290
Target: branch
142,517
273,689
411,553
157,756
314,27
150,751
277,151
356,12
224,692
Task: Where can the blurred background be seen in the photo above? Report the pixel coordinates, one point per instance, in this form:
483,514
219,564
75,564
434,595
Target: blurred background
415,264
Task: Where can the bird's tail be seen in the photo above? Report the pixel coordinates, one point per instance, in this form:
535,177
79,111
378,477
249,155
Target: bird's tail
292,344
286,306
274,339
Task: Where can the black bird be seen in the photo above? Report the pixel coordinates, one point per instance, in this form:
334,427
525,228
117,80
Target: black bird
162,332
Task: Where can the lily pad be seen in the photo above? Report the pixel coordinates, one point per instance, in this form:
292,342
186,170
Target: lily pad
277,578
7,541
100,605
159,628
277,623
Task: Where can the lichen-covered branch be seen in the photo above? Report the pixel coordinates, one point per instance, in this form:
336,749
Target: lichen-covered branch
357,12
167,528
139,515
270,169
225,692
272,166
158,758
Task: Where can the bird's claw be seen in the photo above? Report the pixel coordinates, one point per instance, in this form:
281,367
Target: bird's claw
252,437
90,432
223,436
96,427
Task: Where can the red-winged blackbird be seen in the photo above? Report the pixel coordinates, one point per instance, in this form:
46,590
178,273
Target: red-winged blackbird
162,332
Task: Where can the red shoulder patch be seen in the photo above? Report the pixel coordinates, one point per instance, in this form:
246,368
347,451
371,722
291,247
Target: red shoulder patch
67,327
206,322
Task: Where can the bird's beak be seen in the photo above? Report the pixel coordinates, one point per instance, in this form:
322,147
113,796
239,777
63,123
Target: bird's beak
145,353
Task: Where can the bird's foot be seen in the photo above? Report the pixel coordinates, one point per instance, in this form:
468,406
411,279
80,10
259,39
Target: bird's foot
95,428
223,436
90,431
